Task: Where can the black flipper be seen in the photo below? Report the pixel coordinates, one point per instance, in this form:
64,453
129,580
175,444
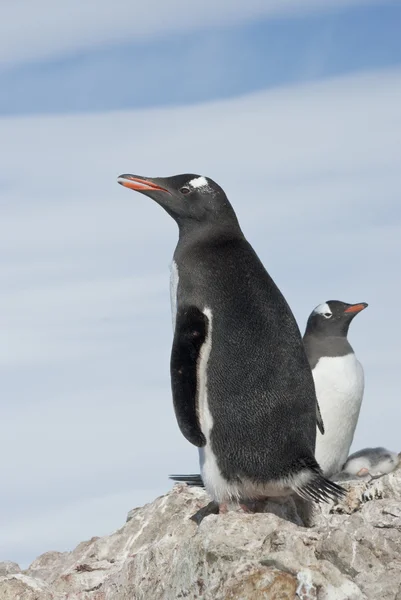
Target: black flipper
190,334
192,480
319,419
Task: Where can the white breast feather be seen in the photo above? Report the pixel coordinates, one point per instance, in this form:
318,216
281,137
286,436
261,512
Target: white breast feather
214,483
218,488
339,383
174,278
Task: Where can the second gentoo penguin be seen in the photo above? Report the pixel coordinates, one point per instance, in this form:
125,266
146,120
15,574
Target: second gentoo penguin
338,377
242,387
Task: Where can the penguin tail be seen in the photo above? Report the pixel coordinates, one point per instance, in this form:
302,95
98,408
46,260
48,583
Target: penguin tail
320,489
316,487
192,480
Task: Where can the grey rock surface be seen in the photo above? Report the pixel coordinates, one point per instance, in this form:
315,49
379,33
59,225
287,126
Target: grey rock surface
7,568
352,552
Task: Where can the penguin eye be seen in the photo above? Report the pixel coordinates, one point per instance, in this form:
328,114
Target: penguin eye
327,315
185,190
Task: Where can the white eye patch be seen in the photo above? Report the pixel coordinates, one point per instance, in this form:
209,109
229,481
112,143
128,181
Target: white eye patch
324,310
198,182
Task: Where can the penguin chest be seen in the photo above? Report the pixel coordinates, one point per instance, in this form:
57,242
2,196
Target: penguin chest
214,482
174,279
339,383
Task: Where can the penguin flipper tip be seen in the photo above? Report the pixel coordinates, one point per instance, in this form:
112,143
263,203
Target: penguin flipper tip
191,480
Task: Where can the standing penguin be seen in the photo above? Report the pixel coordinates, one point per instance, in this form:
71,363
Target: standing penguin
242,387
339,380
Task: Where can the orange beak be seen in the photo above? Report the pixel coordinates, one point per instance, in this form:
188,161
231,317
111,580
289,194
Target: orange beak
139,184
356,308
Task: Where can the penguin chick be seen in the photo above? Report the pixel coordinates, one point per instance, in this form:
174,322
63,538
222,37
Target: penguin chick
373,462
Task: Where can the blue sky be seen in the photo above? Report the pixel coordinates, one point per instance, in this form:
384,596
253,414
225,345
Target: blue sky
293,106
210,63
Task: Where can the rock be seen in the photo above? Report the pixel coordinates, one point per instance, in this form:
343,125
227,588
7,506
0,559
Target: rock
8,567
20,587
352,552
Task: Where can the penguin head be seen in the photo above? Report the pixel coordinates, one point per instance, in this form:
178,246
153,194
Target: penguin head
189,199
333,317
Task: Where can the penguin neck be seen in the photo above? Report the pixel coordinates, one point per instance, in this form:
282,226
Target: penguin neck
190,231
320,344
320,328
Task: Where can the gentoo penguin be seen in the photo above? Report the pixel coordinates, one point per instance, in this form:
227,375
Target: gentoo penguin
242,387
369,462
338,377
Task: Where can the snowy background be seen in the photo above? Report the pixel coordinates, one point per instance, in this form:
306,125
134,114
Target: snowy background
293,106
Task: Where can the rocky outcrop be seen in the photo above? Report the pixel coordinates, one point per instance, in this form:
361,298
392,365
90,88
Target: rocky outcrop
352,552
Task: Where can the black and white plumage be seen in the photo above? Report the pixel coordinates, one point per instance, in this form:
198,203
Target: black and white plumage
242,388
339,383
338,377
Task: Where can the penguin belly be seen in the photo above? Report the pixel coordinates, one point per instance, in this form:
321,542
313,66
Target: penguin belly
339,383
217,487
174,279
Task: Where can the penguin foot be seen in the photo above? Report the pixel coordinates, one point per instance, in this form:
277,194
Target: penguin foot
252,507
213,508
363,472
210,509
